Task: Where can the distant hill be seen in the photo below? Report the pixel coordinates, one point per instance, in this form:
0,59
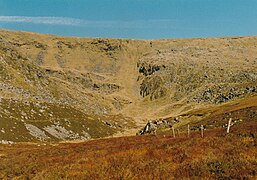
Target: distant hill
56,88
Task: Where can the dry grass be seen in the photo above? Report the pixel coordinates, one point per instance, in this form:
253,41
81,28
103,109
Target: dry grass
101,79
216,156
106,78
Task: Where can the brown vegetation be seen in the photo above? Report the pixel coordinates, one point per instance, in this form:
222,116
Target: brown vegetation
216,156
55,89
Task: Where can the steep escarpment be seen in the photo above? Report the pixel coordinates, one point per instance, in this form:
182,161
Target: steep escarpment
63,88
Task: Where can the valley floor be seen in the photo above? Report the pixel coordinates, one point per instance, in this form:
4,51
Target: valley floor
216,156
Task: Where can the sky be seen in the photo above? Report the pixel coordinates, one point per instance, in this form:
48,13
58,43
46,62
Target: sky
137,19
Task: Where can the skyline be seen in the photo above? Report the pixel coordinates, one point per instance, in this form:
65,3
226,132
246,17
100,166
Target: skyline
138,19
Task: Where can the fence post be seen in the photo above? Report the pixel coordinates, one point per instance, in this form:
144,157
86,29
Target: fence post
173,132
229,124
202,131
188,130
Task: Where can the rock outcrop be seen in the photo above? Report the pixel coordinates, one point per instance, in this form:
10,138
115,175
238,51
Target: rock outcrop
152,126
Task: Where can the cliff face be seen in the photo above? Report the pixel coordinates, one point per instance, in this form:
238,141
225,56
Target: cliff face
75,88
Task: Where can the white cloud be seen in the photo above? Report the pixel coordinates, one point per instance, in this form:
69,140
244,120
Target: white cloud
42,20
161,23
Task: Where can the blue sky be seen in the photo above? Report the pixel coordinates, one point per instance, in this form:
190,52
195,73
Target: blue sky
140,19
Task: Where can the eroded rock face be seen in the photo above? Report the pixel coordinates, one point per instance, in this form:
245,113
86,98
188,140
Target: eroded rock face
199,74
149,69
152,84
223,93
153,87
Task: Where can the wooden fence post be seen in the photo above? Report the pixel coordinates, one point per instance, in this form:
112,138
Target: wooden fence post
202,130
229,124
188,130
173,132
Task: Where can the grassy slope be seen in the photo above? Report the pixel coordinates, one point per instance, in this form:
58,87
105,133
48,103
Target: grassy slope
68,95
242,112
116,61
126,78
215,156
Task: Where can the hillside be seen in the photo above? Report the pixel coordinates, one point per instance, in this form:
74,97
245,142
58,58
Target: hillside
216,156
66,88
